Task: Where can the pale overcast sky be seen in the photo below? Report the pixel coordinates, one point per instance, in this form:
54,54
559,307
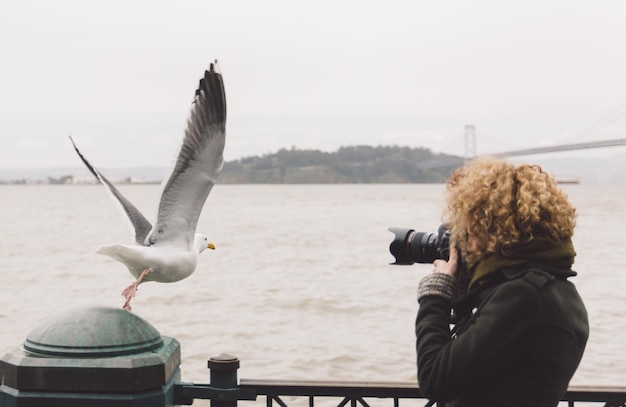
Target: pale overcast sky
119,76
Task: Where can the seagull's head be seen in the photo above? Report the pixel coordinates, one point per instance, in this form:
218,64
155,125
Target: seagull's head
201,242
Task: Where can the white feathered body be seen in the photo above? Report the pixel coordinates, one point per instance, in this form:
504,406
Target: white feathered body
166,265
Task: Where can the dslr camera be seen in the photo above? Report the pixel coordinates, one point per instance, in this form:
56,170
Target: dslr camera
410,247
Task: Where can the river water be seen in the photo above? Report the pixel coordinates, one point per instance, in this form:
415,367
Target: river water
300,286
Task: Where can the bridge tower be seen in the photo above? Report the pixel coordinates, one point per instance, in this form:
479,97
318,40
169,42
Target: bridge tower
470,142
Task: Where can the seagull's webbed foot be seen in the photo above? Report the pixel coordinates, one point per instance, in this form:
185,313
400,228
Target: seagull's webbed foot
130,291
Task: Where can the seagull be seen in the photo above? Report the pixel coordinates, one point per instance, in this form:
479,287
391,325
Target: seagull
168,251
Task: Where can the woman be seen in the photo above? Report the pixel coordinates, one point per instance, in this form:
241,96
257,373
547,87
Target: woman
520,326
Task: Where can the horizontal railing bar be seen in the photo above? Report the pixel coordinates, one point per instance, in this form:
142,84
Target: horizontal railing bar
321,388
330,383
332,388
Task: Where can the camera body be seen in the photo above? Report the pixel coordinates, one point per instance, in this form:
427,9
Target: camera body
409,246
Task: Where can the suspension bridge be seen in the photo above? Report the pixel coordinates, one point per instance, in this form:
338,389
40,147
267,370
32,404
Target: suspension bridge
470,150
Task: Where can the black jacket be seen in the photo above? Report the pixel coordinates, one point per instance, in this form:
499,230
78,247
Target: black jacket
519,341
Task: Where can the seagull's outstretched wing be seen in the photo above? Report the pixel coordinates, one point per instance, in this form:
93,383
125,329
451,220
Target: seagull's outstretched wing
139,222
197,165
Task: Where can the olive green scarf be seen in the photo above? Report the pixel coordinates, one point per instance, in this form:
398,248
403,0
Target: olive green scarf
539,252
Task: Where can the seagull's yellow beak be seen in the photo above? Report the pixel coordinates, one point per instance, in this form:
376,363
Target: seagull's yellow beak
210,246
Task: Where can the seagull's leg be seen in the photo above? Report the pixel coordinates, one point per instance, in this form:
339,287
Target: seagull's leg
130,291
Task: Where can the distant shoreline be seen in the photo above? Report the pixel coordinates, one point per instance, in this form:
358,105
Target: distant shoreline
348,165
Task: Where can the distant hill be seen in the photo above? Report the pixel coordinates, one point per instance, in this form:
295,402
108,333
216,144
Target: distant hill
355,164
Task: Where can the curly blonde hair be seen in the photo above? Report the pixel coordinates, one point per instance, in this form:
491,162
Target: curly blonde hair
497,205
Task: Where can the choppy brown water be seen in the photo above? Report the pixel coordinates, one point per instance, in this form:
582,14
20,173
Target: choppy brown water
299,286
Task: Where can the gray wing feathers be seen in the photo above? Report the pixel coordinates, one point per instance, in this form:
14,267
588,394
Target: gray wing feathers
139,222
197,165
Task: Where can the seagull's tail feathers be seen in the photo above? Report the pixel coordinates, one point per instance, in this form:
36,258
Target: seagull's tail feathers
126,255
108,251
139,222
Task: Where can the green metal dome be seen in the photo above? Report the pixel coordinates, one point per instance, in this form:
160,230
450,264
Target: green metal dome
93,332
89,356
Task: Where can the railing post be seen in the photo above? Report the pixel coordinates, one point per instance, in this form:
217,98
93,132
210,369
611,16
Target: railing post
95,356
223,376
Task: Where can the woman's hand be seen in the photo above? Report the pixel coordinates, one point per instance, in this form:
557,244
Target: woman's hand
449,267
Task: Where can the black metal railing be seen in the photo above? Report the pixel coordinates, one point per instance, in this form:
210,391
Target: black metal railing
226,391
358,393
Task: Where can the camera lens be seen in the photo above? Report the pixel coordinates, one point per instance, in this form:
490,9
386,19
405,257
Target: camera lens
400,246
424,247
410,247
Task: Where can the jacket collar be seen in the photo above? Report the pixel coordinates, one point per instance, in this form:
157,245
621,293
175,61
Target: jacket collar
474,297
